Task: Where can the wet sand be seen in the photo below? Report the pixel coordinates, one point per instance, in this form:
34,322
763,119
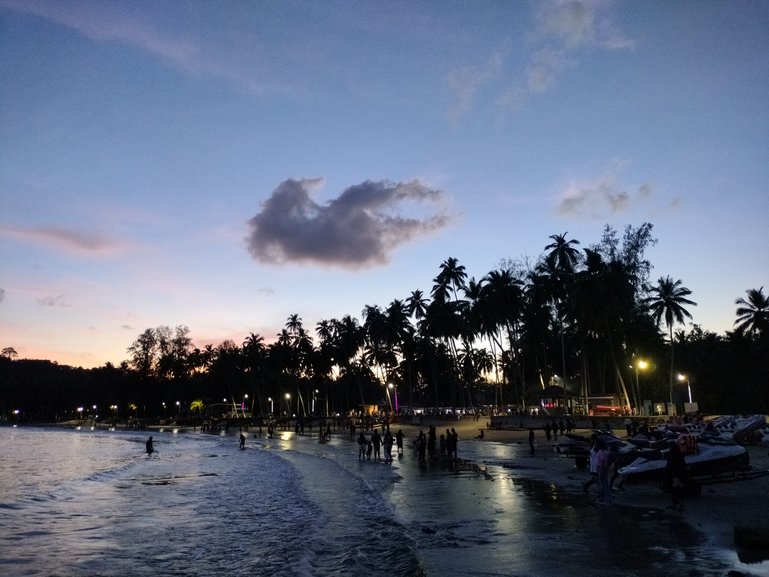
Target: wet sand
715,514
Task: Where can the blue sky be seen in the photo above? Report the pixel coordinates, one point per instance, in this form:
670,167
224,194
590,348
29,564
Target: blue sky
223,165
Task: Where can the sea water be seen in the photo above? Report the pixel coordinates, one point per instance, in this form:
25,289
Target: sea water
92,503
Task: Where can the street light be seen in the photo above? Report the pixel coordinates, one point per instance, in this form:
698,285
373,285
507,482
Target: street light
288,404
394,389
272,407
640,365
688,385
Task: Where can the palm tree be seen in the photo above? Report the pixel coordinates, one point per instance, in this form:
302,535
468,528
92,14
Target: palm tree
559,265
753,313
601,300
253,350
667,302
501,308
563,253
197,406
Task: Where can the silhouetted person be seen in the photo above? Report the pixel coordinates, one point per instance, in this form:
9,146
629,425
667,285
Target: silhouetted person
399,441
676,474
148,445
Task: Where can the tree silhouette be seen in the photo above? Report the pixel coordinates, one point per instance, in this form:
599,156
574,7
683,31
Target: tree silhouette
666,303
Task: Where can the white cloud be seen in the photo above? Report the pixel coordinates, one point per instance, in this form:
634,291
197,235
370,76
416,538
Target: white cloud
561,34
573,24
103,21
66,240
466,81
601,197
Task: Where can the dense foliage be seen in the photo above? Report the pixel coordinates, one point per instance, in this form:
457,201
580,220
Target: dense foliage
582,319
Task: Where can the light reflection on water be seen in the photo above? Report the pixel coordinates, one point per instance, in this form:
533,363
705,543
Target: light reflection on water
88,503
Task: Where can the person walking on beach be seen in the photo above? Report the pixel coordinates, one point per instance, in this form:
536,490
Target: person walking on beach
376,440
399,442
676,474
388,447
593,461
421,446
603,465
150,448
362,442
531,440
242,441
431,438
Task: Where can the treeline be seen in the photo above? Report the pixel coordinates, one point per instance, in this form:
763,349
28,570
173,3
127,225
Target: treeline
586,318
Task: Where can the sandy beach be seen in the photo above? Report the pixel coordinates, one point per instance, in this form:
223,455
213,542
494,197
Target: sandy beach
722,506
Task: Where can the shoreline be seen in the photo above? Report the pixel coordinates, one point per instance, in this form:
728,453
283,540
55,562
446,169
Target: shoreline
723,507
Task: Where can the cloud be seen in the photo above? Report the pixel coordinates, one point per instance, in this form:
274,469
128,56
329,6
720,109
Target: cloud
57,301
543,69
466,81
562,31
600,198
63,239
359,228
102,21
575,24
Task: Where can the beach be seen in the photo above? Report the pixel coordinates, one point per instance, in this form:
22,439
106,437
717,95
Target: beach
90,503
721,507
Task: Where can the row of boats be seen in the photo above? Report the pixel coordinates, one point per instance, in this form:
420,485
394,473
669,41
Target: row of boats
712,450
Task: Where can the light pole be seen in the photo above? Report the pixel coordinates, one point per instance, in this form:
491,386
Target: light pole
288,404
394,397
640,365
272,407
688,385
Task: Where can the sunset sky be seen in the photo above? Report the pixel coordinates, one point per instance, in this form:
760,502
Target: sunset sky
223,165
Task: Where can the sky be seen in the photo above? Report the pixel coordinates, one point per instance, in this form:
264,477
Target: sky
224,165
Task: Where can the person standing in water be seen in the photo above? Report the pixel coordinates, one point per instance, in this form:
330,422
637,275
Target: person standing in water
150,448
242,441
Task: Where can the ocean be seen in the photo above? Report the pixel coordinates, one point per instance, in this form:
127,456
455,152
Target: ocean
91,503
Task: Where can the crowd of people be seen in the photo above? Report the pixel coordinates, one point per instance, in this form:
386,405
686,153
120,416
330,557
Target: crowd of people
370,447
430,445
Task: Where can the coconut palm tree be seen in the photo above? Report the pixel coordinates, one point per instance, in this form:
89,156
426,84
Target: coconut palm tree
253,351
667,302
559,265
562,252
601,300
753,313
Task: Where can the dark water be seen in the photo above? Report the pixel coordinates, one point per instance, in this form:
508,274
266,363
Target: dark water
90,503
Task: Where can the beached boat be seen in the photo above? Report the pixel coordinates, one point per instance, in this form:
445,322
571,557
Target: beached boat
712,458
737,429
578,446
